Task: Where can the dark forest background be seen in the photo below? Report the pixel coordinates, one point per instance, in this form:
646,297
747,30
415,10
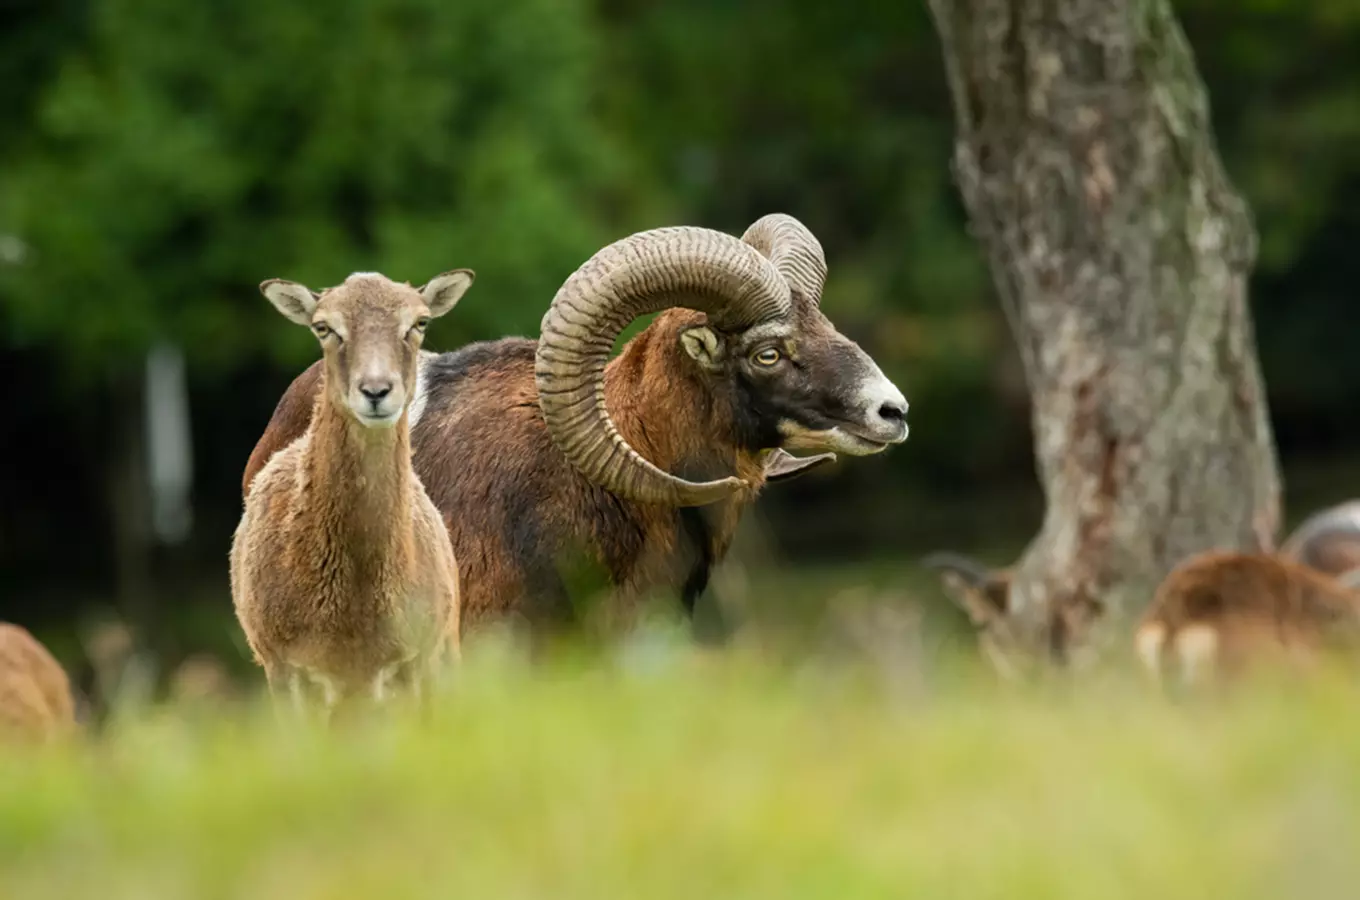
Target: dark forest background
158,159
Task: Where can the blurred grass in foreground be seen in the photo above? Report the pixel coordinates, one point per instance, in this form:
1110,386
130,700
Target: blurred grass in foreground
656,770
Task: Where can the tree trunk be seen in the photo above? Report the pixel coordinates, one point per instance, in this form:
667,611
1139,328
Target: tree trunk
1121,255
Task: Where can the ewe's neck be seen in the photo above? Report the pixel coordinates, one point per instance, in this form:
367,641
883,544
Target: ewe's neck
360,477
670,411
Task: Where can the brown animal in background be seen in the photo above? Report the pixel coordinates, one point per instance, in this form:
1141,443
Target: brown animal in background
1220,613
1328,540
35,693
984,594
199,679
542,454
343,577
981,592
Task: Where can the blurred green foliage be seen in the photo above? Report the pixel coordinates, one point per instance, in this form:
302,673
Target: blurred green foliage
163,158
183,152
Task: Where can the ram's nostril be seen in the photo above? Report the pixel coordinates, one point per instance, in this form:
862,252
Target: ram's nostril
892,412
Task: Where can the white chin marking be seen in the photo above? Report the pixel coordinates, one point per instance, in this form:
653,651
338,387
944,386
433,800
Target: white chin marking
838,440
385,420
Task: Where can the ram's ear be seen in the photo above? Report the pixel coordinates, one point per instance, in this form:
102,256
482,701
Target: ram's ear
705,346
445,290
296,301
781,466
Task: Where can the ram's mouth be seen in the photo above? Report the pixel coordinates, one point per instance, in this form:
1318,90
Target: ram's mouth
879,439
870,446
839,438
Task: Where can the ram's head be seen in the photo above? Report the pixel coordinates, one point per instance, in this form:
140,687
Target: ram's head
801,384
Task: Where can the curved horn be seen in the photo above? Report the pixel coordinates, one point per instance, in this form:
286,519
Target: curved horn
646,272
795,252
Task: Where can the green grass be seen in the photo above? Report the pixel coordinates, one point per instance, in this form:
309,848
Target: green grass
658,771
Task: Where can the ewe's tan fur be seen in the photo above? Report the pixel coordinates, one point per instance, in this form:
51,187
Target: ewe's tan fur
342,571
35,693
1219,614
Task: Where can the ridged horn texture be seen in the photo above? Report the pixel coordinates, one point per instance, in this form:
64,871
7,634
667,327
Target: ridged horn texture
696,268
795,252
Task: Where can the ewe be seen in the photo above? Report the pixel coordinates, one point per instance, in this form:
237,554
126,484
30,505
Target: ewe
35,693
342,573
1220,614
1215,614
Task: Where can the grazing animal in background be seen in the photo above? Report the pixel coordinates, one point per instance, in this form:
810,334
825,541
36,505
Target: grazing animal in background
1219,614
1215,611
984,595
342,574
201,679
1328,540
36,703
543,454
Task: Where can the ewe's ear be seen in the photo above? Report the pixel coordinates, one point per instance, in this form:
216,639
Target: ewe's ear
781,466
445,290
296,301
704,346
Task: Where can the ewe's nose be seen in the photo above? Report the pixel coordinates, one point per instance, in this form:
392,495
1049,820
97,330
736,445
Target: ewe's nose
374,390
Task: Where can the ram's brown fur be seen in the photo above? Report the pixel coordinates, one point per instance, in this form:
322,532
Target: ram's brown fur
342,572
36,703
1221,613
481,448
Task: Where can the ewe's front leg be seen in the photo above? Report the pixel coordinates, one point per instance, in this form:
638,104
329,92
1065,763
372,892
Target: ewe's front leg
285,690
418,679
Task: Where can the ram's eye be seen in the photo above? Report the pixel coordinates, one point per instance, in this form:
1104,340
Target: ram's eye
767,357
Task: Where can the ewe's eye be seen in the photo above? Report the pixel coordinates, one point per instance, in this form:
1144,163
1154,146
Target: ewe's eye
322,330
421,324
767,357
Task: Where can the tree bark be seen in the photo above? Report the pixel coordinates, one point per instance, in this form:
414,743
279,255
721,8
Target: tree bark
1121,254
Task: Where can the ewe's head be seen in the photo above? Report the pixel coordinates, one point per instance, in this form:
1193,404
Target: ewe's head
1017,647
984,595
370,329
799,383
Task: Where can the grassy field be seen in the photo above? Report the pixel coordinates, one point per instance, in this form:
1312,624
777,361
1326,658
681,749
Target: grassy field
660,771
